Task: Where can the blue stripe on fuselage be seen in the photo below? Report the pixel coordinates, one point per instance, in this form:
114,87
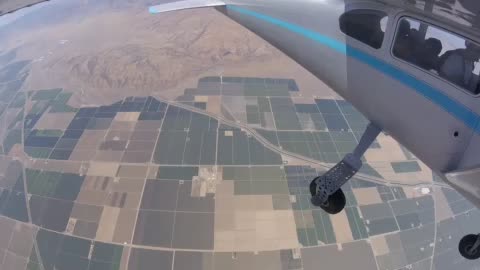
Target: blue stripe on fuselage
455,108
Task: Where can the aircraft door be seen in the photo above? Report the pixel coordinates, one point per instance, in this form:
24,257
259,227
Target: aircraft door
449,66
415,80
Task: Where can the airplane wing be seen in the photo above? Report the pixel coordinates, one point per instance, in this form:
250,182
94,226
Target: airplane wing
186,4
7,6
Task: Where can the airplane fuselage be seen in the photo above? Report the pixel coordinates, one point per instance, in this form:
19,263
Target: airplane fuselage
431,117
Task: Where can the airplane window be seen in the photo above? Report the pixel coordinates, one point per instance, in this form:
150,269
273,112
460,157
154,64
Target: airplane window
440,52
365,25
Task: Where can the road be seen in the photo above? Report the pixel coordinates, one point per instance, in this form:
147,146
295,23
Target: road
281,151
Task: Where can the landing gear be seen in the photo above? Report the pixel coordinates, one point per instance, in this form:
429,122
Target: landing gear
334,203
469,246
325,189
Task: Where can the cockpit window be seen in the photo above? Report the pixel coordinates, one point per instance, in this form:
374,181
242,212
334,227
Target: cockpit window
440,52
365,25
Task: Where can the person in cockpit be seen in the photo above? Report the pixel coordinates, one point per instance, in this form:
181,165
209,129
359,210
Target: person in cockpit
458,65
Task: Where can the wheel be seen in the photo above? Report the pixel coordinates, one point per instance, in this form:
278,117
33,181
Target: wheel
335,203
465,247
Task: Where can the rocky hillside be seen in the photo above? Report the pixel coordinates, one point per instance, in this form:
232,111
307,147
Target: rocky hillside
124,48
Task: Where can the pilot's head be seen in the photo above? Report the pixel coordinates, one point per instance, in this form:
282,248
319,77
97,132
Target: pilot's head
472,50
404,28
433,45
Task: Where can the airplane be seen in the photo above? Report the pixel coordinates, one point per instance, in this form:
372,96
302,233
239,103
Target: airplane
410,67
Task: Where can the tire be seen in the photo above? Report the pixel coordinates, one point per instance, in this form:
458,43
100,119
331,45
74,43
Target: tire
466,244
335,203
